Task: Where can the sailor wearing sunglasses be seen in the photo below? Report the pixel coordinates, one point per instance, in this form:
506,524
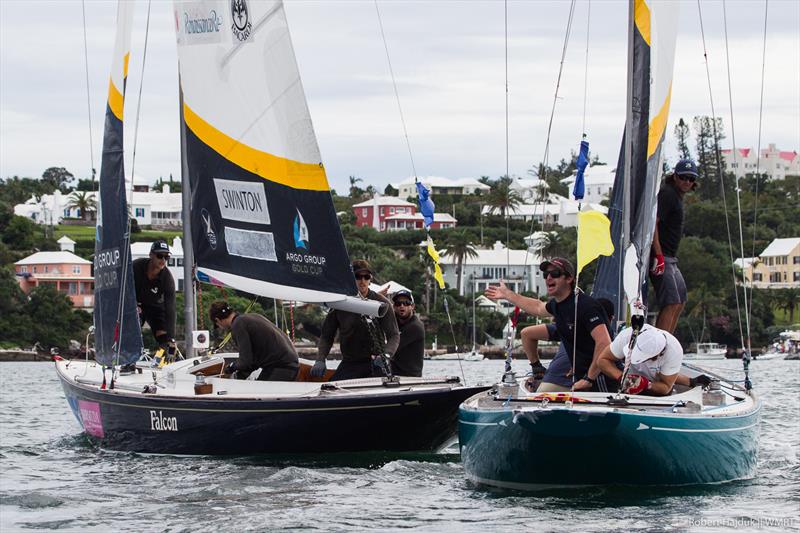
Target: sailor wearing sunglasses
583,339
155,292
667,279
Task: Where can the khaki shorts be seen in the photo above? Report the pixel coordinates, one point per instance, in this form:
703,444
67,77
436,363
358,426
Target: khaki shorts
551,387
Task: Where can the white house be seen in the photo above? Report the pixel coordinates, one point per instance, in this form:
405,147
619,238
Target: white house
148,208
557,211
529,189
598,182
440,185
777,164
518,268
175,262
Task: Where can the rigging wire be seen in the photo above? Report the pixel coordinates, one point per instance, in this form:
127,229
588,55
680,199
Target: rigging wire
746,340
586,66
758,156
127,238
411,158
719,168
88,93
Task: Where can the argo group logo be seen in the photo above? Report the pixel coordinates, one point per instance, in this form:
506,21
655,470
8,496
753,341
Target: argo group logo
208,228
301,238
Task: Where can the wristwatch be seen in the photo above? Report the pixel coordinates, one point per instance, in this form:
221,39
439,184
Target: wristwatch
590,380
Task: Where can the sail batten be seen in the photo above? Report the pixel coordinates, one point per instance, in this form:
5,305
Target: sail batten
261,215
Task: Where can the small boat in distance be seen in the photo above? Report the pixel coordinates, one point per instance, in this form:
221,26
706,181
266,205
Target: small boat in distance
707,350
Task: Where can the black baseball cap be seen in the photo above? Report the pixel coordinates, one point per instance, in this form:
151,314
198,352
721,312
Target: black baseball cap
159,247
361,265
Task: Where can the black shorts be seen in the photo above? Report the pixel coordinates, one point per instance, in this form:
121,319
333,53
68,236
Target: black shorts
155,317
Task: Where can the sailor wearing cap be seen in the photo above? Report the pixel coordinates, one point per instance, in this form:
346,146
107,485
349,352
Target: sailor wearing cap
583,339
407,360
365,342
155,292
666,277
655,360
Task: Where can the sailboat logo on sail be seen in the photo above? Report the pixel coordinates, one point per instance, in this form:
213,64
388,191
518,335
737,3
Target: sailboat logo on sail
208,227
301,238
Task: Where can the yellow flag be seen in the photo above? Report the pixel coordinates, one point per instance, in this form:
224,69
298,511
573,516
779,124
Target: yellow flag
437,270
594,237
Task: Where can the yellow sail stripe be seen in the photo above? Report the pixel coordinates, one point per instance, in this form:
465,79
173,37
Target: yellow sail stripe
641,16
658,125
307,176
116,100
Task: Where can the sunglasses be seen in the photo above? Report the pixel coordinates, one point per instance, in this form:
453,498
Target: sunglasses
163,256
686,177
555,274
364,276
403,304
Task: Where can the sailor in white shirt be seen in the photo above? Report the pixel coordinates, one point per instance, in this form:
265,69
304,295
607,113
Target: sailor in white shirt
655,360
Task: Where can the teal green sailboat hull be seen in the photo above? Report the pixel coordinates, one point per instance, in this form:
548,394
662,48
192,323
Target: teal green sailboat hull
526,448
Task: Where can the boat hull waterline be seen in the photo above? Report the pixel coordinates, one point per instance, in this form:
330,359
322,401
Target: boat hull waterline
524,448
408,419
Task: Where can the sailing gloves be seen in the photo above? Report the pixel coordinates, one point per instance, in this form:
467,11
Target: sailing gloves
319,368
380,366
636,384
658,265
231,368
537,370
702,380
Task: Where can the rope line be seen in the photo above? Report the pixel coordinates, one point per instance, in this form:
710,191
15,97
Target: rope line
88,94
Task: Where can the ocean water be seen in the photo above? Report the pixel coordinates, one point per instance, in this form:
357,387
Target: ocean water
51,478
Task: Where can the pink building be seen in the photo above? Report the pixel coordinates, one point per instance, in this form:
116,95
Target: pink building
394,214
65,271
775,163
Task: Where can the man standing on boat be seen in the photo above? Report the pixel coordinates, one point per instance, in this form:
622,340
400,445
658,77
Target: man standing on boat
261,345
365,342
407,360
666,278
155,292
592,327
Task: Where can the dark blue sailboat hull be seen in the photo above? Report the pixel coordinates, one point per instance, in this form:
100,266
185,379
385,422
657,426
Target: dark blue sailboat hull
401,421
562,447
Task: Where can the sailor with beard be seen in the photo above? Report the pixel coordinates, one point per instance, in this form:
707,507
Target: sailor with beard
591,326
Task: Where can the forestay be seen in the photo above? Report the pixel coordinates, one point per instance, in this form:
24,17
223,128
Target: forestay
262,216
117,329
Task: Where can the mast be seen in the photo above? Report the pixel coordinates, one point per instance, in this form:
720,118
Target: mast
626,194
189,318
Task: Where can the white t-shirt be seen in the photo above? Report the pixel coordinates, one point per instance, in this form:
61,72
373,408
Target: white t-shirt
666,365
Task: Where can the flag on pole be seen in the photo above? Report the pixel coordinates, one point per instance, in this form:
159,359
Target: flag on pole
437,270
594,237
426,206
583,161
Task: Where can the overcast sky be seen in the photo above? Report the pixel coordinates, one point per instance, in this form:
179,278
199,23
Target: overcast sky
448,60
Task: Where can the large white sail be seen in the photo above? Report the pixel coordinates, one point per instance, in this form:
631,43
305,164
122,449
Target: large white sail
255,171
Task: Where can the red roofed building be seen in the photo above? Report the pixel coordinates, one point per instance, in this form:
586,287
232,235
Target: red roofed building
390,213
777,164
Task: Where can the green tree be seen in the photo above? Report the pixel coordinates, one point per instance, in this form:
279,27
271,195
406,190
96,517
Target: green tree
708,136
83,201
355,190
787,300
459,246
87,184
53,322
20,233
17,190
14,323
501,198
57,178
682,137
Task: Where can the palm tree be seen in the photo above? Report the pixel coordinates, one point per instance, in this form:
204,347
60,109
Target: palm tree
83,201
787,300
355,190
706,303
459,246
551,244
502,197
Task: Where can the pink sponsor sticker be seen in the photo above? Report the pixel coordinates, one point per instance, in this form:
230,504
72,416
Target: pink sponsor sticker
92,421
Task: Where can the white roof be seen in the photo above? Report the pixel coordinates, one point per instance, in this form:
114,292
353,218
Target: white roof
165,202
50,258
385,200
594,175
392,286
742,262
142,249
565,206
781,247
498,255
65,240
528,183
437,217
439,181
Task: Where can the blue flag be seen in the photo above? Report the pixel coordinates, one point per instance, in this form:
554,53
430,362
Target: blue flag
583,161
426,205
